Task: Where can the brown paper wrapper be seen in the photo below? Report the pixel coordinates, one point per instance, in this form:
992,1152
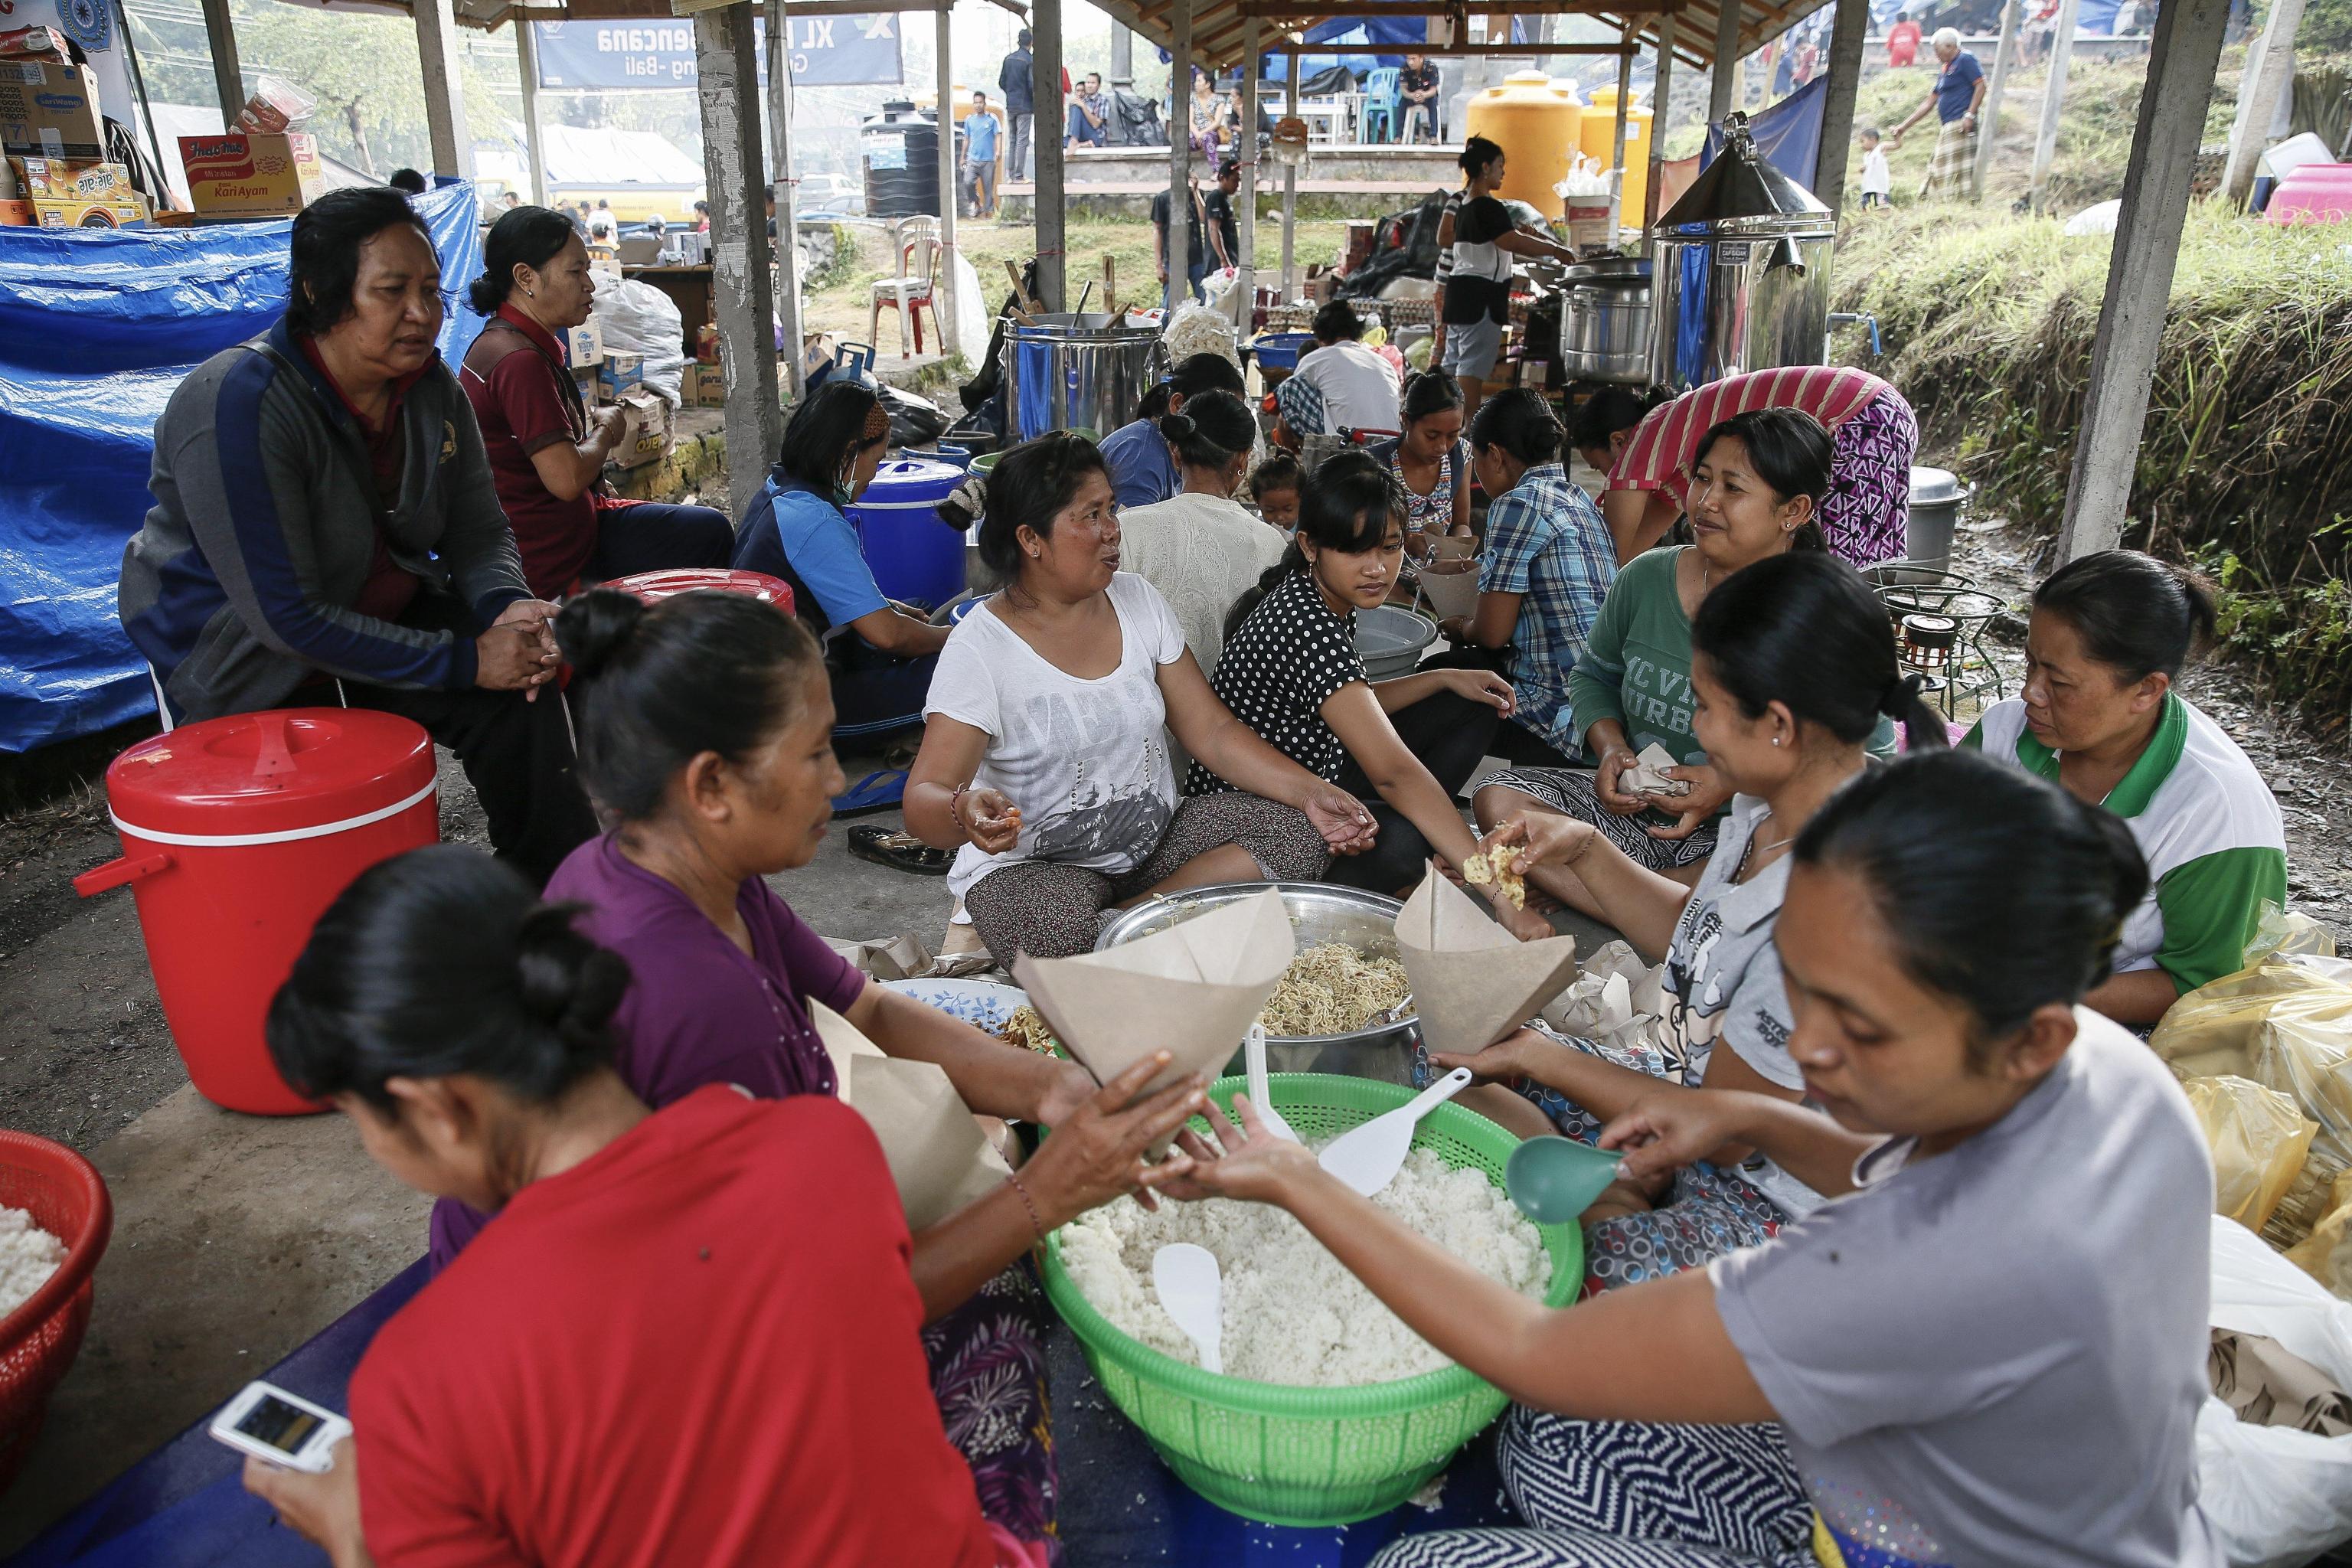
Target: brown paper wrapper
938,1155
1191,990
1473,982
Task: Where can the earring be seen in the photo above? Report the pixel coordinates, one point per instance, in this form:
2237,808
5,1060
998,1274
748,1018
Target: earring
1775,740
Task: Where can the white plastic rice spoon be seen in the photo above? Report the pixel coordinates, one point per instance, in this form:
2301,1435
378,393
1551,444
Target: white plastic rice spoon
1368,1158
1261,1095
1190,1289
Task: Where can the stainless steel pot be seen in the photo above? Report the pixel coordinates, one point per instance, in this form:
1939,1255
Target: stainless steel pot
1319,913
1604,322
1077,372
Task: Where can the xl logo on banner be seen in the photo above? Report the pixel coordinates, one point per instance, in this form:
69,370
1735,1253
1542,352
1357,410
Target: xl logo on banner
608,57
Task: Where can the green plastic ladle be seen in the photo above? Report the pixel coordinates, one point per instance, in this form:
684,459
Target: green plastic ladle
1553,1180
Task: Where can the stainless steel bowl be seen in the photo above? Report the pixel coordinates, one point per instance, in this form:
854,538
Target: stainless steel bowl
1319,913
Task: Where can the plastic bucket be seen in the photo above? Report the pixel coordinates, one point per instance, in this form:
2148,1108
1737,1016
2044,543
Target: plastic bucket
914,555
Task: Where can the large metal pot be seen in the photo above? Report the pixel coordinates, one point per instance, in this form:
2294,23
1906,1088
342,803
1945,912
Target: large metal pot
1319,913
1077,372
1604,322
1742,279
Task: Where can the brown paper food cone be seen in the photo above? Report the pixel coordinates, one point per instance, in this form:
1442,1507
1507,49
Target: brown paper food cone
1473,982
1191,990
1451,594
938,1157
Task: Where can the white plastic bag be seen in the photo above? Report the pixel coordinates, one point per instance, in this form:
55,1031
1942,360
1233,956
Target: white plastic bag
639,319
2275,1496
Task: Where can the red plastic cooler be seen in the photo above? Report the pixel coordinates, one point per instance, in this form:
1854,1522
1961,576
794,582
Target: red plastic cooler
653,587
238,832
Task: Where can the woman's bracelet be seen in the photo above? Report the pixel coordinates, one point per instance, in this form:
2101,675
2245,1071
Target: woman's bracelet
1013,1179
955,800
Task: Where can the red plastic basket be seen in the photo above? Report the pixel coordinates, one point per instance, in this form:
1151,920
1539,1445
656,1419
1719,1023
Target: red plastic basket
66,1197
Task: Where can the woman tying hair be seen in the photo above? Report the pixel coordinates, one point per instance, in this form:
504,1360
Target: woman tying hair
1793,666
1201,548
1292,674
1142,464
2109,635
546,455
735,1269
1547,572
1045,757
1760,477
1886,1381
1650,451
704,736
1431,462
1475,288
879,655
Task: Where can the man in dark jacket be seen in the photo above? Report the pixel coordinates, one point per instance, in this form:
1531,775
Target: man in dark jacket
1019,106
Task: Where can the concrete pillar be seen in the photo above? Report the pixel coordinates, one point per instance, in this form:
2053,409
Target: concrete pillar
1617,136
2187,49
1180,152
1046,136
1726,62
1290,190
1122,54
2004,56
1246,220
444,90
944,303
727,61
1660,102
534,143
2272,76
1853,21
228,74
787,247
2053,97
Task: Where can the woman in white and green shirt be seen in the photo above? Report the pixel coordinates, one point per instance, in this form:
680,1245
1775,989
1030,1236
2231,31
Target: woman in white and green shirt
2109,635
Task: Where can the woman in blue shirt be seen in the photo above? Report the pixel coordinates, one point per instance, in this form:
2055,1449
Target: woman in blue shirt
878,654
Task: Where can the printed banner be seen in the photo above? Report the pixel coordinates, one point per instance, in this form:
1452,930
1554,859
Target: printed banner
616,57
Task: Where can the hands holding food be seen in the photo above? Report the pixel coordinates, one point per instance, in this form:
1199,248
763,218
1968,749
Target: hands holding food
990,820
1096,1153
1340,819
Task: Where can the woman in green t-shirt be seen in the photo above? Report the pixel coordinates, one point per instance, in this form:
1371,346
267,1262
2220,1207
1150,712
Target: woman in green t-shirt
2099,717
1757,483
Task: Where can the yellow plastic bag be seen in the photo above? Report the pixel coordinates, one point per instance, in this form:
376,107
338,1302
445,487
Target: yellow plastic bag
2259,1141
2326,1253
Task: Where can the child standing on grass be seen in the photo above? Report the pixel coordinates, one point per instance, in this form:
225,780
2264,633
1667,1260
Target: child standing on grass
1877,179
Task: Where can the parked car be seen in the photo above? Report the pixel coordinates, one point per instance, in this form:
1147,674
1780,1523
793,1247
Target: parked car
831,193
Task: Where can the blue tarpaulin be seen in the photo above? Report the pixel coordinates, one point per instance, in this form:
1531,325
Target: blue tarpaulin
95,329
1788,134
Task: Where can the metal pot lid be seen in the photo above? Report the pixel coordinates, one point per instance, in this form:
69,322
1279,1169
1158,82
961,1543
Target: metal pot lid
1741,183
1930,486
1608,272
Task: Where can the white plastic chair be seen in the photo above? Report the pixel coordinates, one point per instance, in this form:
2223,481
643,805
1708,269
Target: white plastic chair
916,242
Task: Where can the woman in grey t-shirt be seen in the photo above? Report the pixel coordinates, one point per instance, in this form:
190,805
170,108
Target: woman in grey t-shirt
1792,664
1989,1349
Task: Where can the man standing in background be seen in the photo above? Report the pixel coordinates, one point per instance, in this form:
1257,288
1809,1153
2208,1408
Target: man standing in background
980,127
1957,95
1020,104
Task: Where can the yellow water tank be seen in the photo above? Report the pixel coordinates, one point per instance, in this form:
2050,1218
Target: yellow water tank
1600,129
1534,123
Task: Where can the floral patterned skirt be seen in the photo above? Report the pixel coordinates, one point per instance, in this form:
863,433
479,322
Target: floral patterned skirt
988,1373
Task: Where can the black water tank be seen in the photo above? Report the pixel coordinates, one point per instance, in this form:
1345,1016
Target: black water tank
899,151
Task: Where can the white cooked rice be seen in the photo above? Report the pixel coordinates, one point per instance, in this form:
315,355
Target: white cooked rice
1292,1314
28,1256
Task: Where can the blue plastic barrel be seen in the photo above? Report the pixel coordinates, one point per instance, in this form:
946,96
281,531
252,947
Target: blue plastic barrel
913,555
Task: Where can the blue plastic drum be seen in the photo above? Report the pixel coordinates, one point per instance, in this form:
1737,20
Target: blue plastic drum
913,555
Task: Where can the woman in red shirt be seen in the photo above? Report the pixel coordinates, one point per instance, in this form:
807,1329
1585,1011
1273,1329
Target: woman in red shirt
691,1338
547,454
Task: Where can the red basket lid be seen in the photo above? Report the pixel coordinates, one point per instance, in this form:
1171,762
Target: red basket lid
271,773
653,587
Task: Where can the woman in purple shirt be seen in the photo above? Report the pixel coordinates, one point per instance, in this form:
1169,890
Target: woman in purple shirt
705,726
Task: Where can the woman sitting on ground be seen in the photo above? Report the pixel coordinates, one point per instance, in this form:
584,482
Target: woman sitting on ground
546,454
1340,385
1142,464
1431,462
1794,668
703,725
1201,548
881,654
326,529
1045,759
1886,1381
1760,478
1649,450
1546,574
733,1269
2109,635
1292,674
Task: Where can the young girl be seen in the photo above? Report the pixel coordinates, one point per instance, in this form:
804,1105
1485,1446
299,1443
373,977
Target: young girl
1274,486
1992,1352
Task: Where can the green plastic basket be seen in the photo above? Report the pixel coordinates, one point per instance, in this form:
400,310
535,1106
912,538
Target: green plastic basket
1311,1457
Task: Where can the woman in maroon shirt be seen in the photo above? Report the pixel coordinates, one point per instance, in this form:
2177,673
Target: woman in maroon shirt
547,454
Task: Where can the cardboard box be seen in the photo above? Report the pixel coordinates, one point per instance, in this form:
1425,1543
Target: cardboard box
239,175
646,436
133,213
706,385
54,179
620,373
584,345
49,109
17,214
